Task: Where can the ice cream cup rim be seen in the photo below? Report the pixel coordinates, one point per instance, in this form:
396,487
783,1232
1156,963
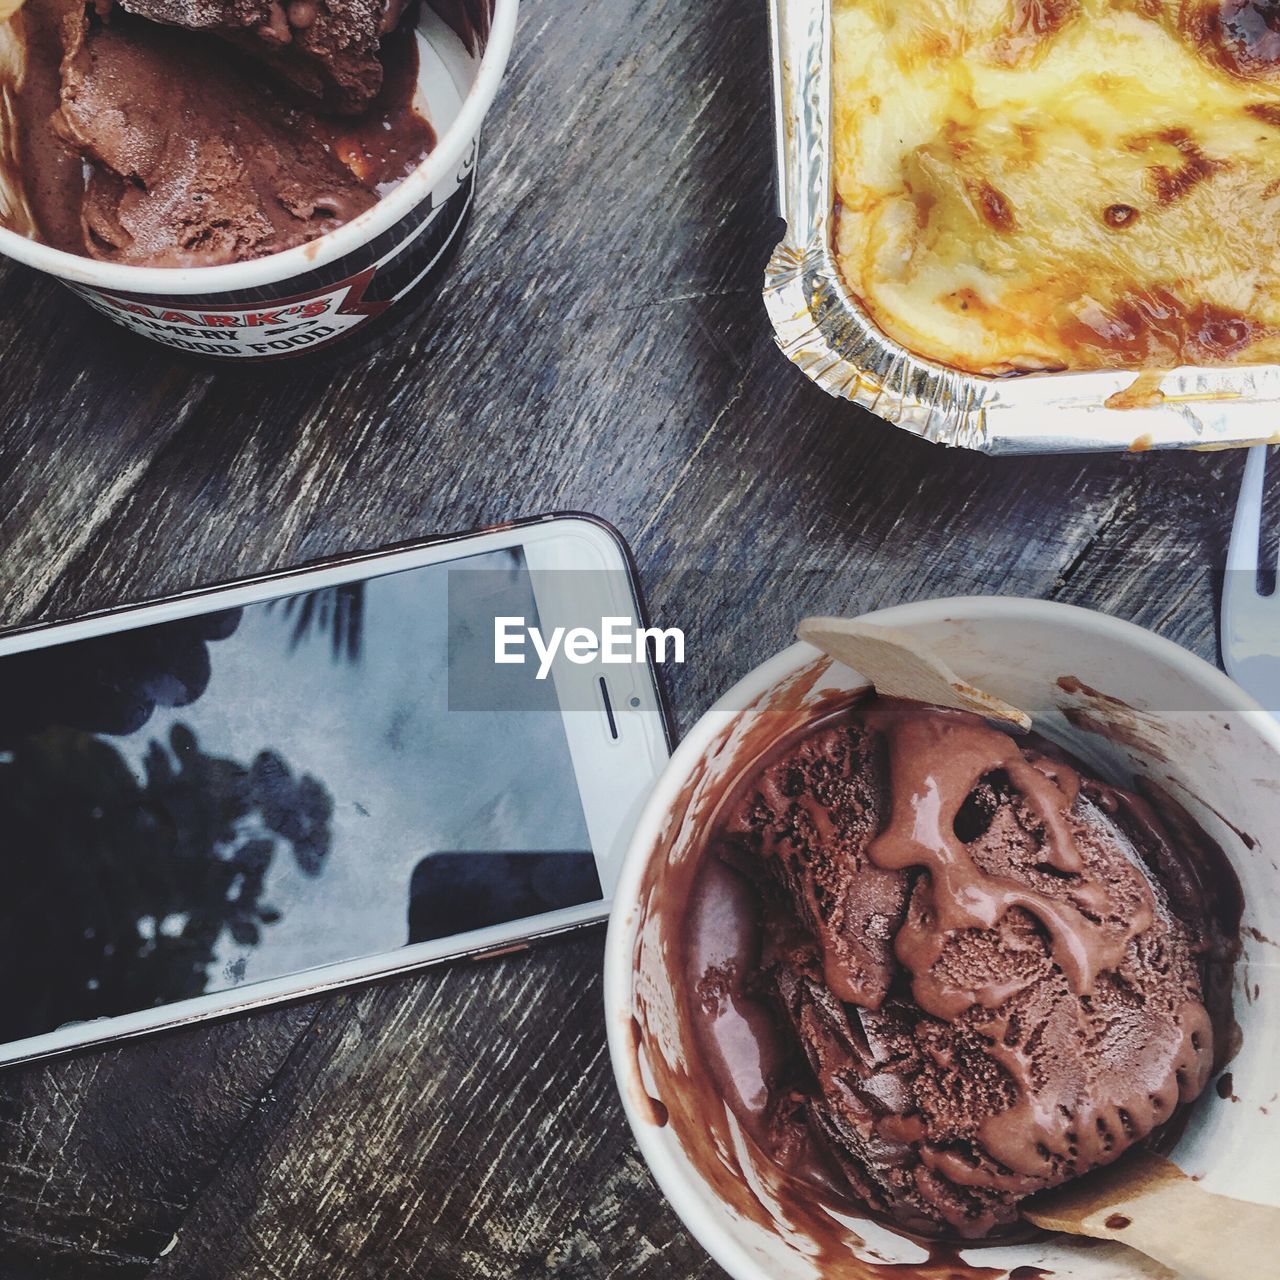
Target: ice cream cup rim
302,259
624,917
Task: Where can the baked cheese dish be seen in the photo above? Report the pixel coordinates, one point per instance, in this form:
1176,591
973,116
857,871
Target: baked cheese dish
1028,185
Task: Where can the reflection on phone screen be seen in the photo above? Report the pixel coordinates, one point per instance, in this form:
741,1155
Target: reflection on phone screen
455,892
250,793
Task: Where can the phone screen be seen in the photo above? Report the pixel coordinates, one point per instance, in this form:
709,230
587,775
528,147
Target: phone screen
245,794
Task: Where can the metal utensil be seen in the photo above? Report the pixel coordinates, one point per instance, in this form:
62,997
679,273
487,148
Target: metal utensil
1250,621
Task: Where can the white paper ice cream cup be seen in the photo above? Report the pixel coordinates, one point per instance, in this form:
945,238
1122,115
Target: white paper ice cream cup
318,293
1178,723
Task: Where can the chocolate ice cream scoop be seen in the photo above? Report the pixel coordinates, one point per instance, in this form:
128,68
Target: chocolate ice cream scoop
149,145
189,164
327,49
969,973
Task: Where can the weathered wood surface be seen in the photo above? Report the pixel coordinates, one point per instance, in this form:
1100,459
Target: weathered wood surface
600,346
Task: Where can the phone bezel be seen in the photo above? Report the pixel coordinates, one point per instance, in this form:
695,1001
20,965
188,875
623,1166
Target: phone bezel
613,775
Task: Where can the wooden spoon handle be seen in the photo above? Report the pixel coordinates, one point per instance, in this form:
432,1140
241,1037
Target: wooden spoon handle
901,667
1148,1203
1199,1235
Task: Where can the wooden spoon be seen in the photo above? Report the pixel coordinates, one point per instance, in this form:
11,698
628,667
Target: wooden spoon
1148,1203
901,667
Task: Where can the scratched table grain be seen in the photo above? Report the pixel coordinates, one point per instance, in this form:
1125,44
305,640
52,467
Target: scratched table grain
600,346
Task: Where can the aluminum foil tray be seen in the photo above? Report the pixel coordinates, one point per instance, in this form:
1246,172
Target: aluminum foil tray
822,328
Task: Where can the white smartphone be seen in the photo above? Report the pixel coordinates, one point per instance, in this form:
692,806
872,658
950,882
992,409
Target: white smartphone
282,785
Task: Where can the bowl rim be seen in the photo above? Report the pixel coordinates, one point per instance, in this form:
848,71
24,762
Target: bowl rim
677,1188
305,258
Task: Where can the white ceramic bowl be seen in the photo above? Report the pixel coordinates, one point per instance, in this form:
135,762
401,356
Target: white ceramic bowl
1130,704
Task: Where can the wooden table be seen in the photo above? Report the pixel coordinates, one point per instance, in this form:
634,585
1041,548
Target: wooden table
600,346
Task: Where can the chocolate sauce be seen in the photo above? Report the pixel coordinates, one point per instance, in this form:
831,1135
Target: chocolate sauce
936,761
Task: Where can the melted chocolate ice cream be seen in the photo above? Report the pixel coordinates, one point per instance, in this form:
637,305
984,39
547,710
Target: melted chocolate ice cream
938,968
150,145
187,167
